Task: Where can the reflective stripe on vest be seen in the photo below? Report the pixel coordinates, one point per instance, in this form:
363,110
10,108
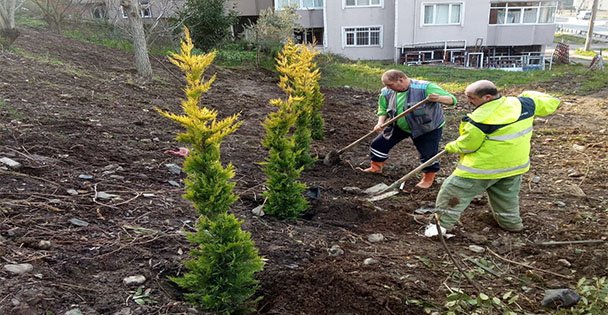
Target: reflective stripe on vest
494,171
511,136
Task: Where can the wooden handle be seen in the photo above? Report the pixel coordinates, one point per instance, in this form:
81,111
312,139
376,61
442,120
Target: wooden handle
414,171
390,121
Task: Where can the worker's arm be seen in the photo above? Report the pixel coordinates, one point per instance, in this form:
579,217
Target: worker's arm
471,138
544,104
381,120
437,94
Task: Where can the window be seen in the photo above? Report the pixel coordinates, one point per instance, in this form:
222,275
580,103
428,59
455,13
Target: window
362,36
144,9
309,36
299,4
534,12
442,13
362,3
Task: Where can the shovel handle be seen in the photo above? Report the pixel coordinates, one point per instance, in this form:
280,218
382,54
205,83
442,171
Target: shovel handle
390,121
414,171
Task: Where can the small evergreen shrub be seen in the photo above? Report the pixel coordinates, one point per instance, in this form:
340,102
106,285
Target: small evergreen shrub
221,270
284,194
300,77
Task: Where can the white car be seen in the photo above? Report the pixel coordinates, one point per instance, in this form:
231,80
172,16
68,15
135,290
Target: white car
584,15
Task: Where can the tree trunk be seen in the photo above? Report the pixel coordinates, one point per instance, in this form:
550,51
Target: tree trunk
7,14
142,60
8,32
589,38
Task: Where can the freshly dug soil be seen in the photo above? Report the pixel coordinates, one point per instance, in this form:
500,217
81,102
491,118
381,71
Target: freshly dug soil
80,123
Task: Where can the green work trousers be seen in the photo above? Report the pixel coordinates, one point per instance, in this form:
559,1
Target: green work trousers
457,192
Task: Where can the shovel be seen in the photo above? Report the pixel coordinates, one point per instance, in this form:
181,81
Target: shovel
392,189
334,156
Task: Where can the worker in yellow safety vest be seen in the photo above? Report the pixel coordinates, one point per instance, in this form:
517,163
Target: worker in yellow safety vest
494,148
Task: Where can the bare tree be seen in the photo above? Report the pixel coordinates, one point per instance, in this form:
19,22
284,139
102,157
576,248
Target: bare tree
56,12
8,32
161,24
140,47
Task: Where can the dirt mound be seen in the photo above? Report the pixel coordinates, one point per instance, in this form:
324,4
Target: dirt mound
80,123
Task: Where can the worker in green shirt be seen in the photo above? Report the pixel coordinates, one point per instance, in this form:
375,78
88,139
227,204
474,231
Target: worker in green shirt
424,125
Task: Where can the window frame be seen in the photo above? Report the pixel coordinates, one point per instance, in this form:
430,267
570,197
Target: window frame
369,28
512,6
434,5
369,5
301,6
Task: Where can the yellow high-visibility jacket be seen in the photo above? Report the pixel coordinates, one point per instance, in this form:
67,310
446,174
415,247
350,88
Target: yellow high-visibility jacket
494,139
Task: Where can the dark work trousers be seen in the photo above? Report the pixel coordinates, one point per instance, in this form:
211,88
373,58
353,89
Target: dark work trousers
426,144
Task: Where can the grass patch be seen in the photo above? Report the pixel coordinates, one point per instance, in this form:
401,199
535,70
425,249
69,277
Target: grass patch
568,39
108,36
235,55
361,75
366,75
9,111
590,53
29,21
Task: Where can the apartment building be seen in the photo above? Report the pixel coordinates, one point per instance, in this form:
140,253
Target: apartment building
476,33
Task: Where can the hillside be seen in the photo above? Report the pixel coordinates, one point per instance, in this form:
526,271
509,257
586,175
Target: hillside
80,123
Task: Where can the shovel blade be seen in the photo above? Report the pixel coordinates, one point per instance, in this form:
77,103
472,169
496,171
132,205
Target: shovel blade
331,158
383,196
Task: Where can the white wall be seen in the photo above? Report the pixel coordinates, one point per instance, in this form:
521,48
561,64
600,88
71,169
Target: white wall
337,17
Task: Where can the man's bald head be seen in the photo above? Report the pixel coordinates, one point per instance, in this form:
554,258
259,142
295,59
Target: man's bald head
481,92
481,88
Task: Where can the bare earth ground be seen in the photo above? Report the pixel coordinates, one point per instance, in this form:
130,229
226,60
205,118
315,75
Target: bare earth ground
74,109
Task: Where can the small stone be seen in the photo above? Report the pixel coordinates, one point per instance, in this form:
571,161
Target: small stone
574,173
123,311
476,249
79,222
335,250
259,211
370,261
564,262
85,177
44,244
10,163
560,204
134,280
173,183
560,298
174,168
376,237
148,195
579,148
536,179
351,189
72,192
74,311
104,196
18,268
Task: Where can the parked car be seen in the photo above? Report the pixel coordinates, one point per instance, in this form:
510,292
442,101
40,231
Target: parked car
584,15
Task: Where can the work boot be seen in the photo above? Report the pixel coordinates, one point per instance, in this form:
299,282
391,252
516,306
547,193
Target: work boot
426,181
375,167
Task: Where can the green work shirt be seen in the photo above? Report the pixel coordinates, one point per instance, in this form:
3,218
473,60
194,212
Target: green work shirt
402,100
